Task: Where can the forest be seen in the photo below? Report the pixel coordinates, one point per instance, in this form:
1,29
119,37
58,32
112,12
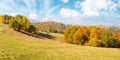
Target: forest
92,36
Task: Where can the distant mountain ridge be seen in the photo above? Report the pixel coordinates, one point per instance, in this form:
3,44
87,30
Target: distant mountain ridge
55,27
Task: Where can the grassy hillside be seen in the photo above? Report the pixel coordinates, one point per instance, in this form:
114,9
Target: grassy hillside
18,46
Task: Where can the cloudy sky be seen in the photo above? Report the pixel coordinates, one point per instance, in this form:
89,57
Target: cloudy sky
78,12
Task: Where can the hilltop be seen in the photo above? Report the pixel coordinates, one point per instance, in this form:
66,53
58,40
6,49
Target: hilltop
55,27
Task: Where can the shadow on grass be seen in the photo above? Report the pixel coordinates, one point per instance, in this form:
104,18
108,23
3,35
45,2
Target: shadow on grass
46,35
39,35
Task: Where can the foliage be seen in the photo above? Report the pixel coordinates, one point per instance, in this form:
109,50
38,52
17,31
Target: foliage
92,36
81,35
23,21
117,37
19,23
108,39
1,19
99,33
32,29
69,34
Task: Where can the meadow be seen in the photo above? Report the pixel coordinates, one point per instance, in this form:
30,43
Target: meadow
18,46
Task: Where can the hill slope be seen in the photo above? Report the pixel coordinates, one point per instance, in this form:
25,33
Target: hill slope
18,46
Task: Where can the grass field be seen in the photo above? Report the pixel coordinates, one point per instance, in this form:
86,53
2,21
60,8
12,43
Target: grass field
18,46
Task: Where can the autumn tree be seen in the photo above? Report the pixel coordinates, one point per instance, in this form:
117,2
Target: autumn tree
1,19
93,37
23,21
81,35
69,34
99,33
117,37
6,19
11,22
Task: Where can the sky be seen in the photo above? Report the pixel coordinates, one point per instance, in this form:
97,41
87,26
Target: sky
76,12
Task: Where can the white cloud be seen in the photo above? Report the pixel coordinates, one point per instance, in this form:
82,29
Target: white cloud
33,17
68,13
95,7
65,1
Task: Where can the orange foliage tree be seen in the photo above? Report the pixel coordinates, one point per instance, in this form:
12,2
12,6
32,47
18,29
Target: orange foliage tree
81,35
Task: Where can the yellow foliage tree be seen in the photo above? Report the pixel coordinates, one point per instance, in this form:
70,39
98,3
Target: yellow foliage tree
93,37
1,19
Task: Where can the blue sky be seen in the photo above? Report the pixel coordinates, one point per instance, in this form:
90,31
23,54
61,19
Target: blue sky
77,12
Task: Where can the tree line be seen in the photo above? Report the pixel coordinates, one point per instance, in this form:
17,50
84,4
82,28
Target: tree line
92,36
51,26
18,23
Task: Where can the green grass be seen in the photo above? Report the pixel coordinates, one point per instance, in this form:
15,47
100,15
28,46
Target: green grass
18,46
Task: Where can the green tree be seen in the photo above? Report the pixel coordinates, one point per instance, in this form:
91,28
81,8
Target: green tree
32,29
108,39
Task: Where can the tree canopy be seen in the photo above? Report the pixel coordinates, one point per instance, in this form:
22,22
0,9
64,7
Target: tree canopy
92,36
19,23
